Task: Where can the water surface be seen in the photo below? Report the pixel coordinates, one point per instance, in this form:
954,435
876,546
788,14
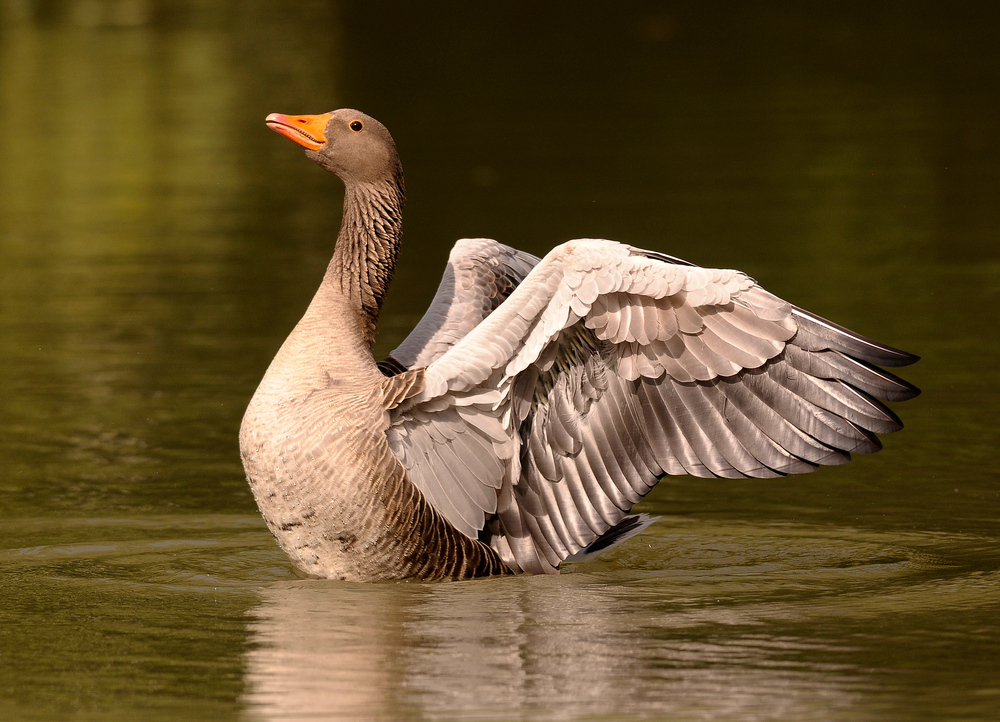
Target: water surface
157,243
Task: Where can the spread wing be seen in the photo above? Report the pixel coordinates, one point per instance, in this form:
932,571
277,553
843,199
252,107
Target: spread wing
480,274
608,367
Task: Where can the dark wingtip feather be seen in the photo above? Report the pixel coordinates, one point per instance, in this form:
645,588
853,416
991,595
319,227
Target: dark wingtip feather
625,529
890,386
390,367
896,389
853,344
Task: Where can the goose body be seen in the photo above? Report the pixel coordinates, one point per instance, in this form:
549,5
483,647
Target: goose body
537,400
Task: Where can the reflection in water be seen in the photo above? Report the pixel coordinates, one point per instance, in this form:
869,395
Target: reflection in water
704,640
556,650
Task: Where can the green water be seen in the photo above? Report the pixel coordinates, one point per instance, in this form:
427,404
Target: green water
157,243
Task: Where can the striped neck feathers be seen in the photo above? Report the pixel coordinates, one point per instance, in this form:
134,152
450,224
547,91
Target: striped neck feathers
367,247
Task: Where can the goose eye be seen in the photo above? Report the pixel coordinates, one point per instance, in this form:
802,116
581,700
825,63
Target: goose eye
357,125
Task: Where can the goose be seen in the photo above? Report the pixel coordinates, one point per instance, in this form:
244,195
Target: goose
537,400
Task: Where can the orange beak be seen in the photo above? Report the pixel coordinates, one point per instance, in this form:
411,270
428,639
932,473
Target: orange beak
306,130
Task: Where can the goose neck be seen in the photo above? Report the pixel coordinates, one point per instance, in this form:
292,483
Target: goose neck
367,248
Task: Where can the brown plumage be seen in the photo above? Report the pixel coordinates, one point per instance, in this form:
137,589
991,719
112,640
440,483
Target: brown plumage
537,401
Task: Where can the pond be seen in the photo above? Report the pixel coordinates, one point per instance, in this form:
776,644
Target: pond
158,242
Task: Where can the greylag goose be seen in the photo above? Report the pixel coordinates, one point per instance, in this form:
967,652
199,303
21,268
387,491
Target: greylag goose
537,400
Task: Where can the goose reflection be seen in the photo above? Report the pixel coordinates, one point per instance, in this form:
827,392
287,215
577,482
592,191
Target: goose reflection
539,647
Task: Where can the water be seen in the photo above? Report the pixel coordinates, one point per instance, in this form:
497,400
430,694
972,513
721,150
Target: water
157,242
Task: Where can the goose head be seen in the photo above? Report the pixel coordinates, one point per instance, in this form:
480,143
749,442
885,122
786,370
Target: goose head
353,146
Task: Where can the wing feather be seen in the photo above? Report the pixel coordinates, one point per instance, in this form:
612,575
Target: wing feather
569,520
863,376
599,462
614,412
805,451
769,456
666,417
543,538
735,461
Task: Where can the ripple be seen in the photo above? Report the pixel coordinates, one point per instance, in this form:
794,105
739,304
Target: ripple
175,551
